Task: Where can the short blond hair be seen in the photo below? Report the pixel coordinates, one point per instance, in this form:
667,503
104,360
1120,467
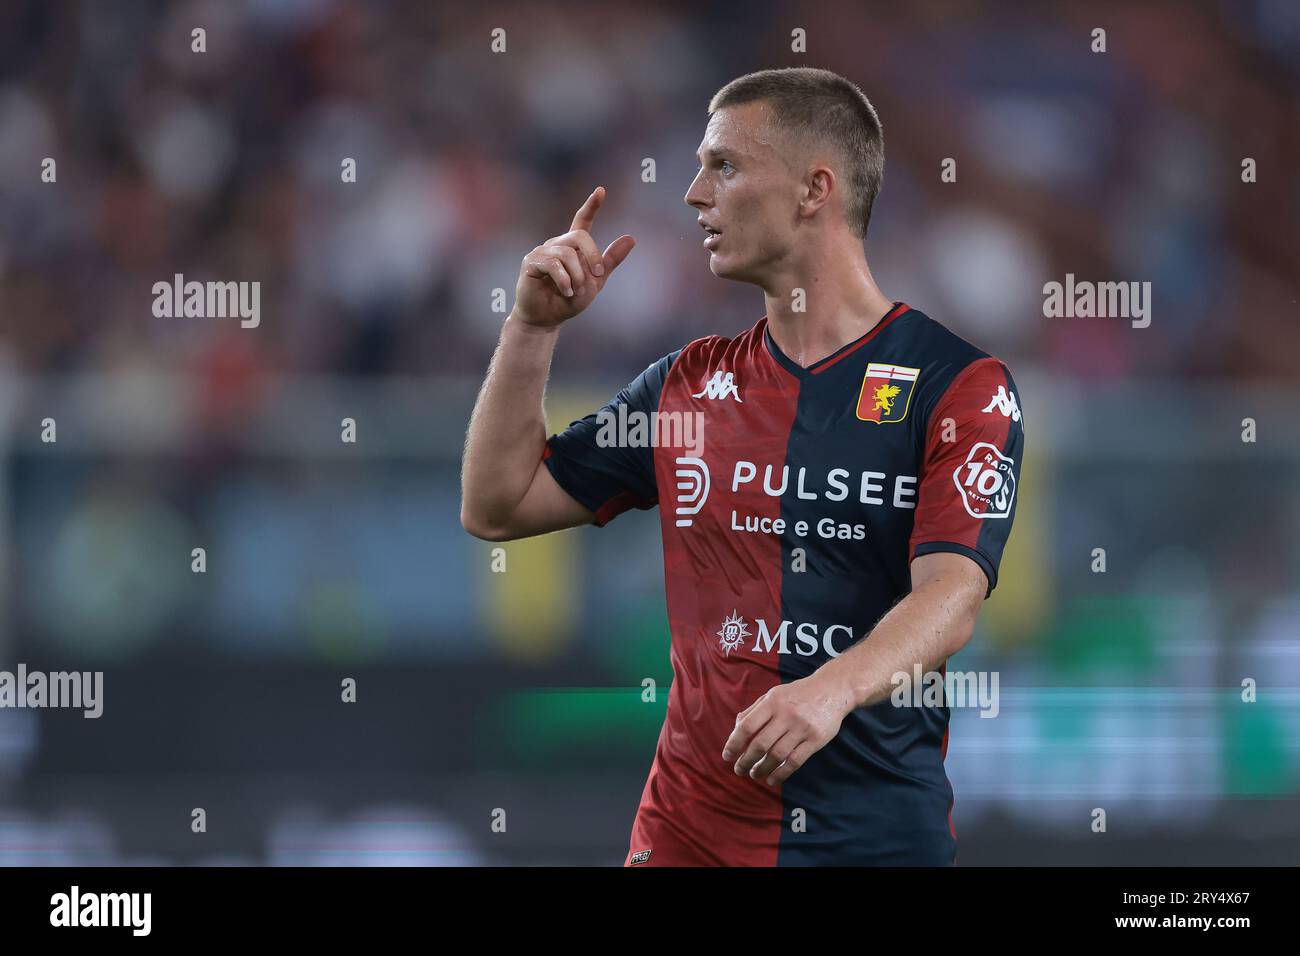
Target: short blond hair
815,105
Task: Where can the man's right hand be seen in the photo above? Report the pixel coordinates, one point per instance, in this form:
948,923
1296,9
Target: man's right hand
563,275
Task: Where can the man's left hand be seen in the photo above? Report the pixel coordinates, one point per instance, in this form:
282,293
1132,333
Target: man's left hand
777,733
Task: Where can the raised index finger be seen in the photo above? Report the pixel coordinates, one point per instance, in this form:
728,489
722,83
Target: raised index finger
587,214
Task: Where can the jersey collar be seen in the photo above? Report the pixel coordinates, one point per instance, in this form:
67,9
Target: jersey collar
794,368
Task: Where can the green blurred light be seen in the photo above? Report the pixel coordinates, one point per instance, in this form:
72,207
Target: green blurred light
1104,635
560,725
1254,749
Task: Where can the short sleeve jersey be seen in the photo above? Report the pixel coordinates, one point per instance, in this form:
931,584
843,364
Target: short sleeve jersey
792,501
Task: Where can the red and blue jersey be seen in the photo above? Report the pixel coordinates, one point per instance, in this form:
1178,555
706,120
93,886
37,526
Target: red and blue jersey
792,501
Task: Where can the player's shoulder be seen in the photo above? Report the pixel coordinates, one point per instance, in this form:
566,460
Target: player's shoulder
944,356
711,353
712,349
954,373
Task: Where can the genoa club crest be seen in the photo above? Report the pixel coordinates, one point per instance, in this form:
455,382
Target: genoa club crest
886,392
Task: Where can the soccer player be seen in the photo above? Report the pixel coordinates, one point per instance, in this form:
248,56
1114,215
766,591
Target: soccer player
837,519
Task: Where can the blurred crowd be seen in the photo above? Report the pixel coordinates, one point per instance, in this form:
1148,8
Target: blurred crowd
386,295
226,164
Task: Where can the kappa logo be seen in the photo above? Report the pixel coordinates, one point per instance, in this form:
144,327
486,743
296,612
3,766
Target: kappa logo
1004,403
721,385
886,392
640,856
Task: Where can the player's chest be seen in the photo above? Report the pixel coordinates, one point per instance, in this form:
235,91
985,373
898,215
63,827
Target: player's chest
830,457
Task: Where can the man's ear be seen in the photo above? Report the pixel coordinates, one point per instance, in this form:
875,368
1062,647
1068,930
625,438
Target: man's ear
819,186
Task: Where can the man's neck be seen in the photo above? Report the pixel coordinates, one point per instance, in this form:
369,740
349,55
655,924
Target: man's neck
840,303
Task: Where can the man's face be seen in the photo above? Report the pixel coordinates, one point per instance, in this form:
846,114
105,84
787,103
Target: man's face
745,190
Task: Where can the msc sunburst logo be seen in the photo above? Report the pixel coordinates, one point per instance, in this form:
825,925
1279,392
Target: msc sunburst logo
733,634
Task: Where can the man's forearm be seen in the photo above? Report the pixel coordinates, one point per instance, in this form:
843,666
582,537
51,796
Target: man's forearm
928,626
507,431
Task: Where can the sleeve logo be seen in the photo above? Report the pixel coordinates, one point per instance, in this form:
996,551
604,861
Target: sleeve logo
986,482
886,392
1004,403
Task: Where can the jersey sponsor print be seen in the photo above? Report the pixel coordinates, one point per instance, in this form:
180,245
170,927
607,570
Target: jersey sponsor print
904,442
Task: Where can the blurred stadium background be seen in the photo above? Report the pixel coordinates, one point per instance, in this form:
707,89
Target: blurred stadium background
522,690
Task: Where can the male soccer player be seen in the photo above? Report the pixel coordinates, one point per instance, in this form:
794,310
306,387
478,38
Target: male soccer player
840,522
